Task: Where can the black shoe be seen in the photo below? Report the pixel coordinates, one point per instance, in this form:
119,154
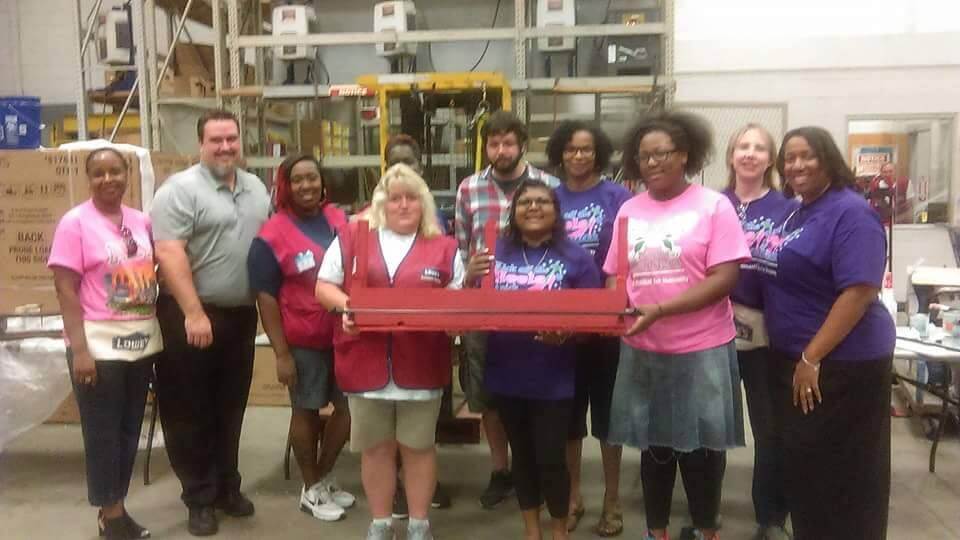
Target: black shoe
441,499
135,529
500,487
400,503
202,521
121,528
235,504
113,529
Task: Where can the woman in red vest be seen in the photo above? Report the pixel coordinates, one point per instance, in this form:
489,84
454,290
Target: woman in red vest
283,264
394,381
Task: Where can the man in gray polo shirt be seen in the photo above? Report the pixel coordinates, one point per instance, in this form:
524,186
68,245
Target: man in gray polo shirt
204,220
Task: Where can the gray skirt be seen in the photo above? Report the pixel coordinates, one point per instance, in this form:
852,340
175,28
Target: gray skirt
681,401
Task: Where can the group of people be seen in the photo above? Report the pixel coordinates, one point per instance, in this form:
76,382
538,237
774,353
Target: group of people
777,289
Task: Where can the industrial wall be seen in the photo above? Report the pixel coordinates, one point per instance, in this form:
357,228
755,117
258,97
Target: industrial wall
825,59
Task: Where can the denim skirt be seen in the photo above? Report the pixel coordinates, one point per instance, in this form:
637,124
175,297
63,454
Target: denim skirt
681,401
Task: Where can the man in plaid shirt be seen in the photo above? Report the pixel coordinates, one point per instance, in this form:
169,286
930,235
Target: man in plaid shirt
482,197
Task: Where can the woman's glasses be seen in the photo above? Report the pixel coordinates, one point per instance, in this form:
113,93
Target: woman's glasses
658,157
541,202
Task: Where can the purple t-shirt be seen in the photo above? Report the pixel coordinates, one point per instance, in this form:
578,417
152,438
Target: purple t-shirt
590,214
517,364
835,242
757,220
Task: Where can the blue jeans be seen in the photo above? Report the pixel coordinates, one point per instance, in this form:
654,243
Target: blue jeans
111,414
758,374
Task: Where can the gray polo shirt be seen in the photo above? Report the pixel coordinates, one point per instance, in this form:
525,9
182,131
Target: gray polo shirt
218,225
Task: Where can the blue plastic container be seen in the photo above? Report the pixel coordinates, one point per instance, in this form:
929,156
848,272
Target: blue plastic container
19,122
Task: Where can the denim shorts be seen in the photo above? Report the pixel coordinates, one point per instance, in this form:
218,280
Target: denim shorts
316,386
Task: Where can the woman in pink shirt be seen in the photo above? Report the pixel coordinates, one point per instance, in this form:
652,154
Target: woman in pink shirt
677,395
103,268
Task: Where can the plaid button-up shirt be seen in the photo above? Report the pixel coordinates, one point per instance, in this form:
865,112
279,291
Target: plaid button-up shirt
480,199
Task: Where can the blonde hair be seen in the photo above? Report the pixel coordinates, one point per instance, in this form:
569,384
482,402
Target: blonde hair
768,178
401,175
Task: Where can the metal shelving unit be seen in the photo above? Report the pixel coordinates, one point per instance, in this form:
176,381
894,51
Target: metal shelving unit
231,40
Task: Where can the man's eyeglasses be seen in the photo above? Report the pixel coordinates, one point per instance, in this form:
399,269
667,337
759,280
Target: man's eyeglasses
539,201
658,157
127,235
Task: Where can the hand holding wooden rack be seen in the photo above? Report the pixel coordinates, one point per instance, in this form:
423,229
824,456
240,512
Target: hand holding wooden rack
568,310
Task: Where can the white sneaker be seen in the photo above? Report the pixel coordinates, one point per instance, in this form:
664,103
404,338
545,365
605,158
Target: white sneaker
419,530
380,531
338,496
316,501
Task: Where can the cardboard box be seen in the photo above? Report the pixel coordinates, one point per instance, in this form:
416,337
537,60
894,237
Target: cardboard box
67,413
186,86
311,136
194,60
36,188
265,389
166,164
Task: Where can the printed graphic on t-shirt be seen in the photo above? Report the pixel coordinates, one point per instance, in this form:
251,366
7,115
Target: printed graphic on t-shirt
130,283
547,275
655,249
583,226
765,239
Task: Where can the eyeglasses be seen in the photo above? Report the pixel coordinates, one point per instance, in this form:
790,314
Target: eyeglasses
585,151
127,235
539,201
658,157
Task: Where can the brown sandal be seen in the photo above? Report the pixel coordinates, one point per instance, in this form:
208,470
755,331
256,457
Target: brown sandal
610,524
573,519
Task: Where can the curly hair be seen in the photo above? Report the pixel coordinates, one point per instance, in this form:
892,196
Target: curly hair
768,180
282,196
689,132
827,153
603,147
402,175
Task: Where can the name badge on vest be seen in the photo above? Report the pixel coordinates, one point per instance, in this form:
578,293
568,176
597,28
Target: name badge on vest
304,261
430,274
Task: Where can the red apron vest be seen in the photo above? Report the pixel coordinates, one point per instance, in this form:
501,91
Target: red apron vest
305,322
419,360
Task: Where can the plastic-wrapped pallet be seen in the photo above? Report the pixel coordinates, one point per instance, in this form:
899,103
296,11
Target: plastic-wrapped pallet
33,382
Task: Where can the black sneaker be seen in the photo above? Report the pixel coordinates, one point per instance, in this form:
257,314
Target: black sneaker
400,503
441,499
235,504
499,488
202,521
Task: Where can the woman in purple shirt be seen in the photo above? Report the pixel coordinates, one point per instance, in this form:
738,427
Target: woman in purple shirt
832,343
750,156
580,153
531,375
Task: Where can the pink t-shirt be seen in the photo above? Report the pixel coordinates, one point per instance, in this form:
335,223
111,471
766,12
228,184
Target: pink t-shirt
671,246
114,285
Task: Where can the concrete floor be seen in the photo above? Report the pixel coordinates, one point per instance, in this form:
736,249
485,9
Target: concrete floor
43,494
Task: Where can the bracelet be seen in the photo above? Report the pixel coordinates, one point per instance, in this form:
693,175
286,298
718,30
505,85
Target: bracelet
803,358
